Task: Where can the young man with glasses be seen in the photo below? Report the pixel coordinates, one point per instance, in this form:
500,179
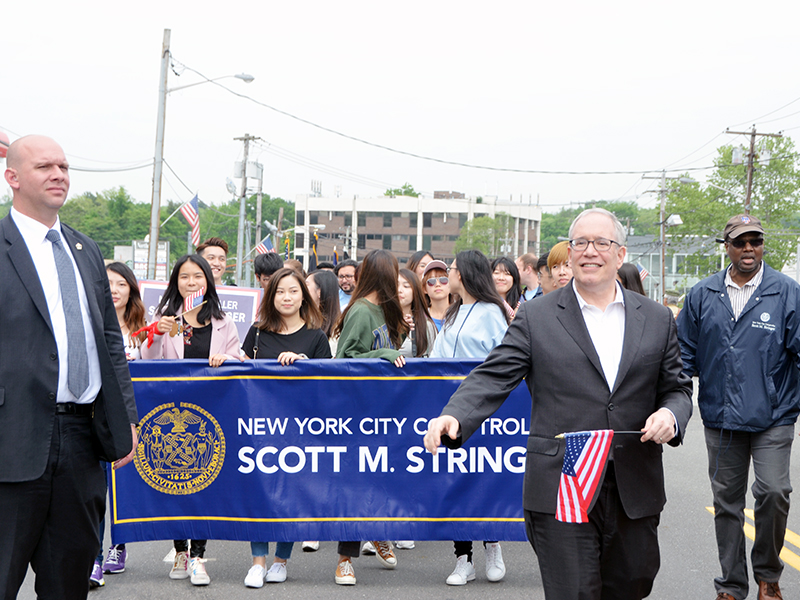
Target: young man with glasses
739,331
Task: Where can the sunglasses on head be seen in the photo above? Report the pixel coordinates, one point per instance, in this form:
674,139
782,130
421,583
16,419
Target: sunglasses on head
737,243
443,280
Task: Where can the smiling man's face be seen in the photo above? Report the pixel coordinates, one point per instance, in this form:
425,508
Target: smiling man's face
591,269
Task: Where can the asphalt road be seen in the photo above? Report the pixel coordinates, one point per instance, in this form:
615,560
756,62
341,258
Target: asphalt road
688,558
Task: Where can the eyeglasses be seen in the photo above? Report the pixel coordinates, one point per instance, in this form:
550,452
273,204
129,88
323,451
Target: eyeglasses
600,244
443,280
742,243
452,269
347,276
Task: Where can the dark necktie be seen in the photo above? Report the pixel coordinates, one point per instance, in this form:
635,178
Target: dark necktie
77,360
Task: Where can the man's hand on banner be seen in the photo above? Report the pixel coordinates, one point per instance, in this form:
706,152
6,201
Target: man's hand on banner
439,427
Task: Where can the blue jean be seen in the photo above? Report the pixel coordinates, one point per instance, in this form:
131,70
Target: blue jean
729,454
283,550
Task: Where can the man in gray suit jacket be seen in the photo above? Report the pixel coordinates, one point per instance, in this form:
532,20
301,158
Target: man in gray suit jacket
66,399
594,356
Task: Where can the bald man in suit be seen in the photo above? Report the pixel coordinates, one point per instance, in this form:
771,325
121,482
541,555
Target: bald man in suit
66,399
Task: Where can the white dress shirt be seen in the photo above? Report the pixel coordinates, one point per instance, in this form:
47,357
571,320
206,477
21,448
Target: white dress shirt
607,330
41,250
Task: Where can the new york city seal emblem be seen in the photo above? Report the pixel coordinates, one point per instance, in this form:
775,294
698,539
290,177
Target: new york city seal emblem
181,449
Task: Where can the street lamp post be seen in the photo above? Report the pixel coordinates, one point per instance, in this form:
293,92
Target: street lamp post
155,209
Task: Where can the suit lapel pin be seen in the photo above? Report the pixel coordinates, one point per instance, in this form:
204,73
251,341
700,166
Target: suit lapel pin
79,246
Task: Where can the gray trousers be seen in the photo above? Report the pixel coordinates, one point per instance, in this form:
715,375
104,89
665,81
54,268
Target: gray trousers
729,454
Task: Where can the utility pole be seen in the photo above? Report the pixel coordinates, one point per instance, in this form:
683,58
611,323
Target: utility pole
242,200
751,157
663,222
155,208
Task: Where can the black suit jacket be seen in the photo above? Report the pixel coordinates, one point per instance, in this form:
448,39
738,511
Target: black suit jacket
549,346
29,359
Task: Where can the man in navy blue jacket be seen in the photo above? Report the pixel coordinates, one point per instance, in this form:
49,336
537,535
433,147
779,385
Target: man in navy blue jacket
739,331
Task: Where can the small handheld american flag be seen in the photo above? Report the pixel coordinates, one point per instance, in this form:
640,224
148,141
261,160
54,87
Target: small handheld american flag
193,300
585,461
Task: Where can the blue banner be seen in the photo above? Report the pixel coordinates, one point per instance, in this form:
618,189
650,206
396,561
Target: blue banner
322,450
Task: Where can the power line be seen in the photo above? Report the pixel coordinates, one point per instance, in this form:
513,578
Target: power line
178,177
117,170
412,154
765,115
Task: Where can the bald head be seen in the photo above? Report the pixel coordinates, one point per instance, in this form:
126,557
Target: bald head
38,174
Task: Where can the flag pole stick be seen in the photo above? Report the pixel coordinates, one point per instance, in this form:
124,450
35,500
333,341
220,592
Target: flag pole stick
188,311
561,436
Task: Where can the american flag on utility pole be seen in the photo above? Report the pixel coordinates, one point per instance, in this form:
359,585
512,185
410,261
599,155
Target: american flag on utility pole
643,273
265,246
191,213
585,459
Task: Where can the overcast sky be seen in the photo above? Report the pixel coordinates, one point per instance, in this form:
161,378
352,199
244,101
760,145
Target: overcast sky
547,86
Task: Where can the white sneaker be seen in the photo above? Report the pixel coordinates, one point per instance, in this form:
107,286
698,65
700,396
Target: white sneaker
367,549
277,573
404,544
255,577
197,568
310,546
495,567
180,567
464,572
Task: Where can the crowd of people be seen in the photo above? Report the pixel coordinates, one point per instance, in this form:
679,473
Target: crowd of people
68,411
367,309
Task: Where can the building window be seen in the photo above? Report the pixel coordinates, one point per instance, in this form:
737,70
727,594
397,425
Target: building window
362,219
362,241
313,217
679,260
348,219
412,243
462,220
298,240
426,222
300,217
387,242
437,238
426,243
412,220
387,220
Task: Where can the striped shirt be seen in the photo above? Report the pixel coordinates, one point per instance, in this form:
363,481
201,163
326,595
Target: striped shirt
739,296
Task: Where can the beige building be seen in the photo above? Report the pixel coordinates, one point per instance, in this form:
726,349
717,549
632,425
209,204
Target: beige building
404,224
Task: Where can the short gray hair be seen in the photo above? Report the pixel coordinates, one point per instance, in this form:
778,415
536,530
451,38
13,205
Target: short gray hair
619,229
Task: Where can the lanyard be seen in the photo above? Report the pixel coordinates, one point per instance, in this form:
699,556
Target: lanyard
455,345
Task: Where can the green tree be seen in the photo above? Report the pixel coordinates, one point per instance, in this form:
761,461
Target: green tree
775,200
641,221
113,217
487,234
5,205
406,190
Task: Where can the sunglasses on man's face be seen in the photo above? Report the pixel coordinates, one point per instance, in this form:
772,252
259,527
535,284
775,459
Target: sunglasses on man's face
739,244
442,280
